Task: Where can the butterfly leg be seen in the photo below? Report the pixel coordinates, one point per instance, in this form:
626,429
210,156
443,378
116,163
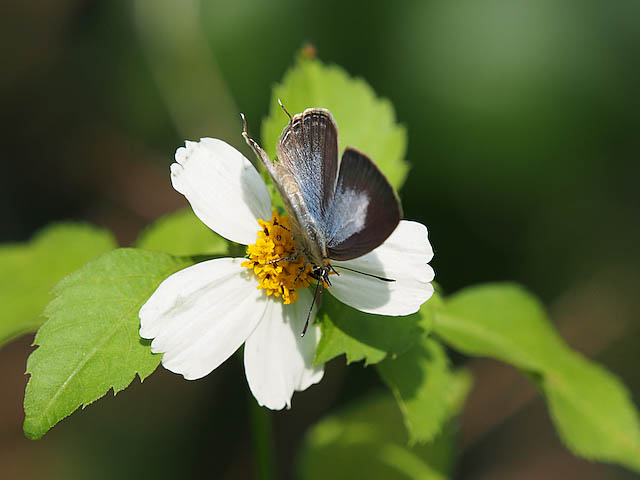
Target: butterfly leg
275,222
316,297
288,259
302,270
293,236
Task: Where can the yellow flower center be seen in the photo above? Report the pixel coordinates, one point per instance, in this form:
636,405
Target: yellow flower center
276,260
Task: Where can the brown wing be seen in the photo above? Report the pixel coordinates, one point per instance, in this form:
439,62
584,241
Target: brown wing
365,210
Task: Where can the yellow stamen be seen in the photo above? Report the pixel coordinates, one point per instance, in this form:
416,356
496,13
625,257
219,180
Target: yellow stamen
275,242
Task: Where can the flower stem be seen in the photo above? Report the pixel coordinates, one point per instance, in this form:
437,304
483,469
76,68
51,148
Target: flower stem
262,437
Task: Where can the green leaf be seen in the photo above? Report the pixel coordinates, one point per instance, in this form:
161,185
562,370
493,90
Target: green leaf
90,341
425,388
362,336
181,233
368,441
364,120
502,321
593,412
29,271
590,407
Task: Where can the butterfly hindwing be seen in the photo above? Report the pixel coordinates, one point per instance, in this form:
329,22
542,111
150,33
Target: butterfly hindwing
364,211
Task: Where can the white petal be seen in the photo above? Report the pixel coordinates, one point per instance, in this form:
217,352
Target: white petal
223,188
403,257
277,360
200,315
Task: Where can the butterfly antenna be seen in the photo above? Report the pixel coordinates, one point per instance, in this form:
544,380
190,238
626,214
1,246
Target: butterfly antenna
364,273
313,302
285,110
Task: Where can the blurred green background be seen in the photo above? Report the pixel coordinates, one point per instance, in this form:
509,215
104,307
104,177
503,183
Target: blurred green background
523,121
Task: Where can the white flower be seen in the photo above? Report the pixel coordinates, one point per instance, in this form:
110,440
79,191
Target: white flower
200,316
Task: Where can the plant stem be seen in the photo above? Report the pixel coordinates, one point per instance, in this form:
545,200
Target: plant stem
262,437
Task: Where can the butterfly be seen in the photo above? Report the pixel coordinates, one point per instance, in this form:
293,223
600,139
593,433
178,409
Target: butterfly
337,210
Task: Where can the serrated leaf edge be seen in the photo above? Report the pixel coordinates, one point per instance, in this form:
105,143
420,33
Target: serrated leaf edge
104,339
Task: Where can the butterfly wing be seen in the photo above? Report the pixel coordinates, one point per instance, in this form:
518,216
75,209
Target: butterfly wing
337,218
305,175
364,211
308,149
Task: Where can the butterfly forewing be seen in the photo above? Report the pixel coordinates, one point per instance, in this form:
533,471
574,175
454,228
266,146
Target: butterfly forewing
364,211
308,149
